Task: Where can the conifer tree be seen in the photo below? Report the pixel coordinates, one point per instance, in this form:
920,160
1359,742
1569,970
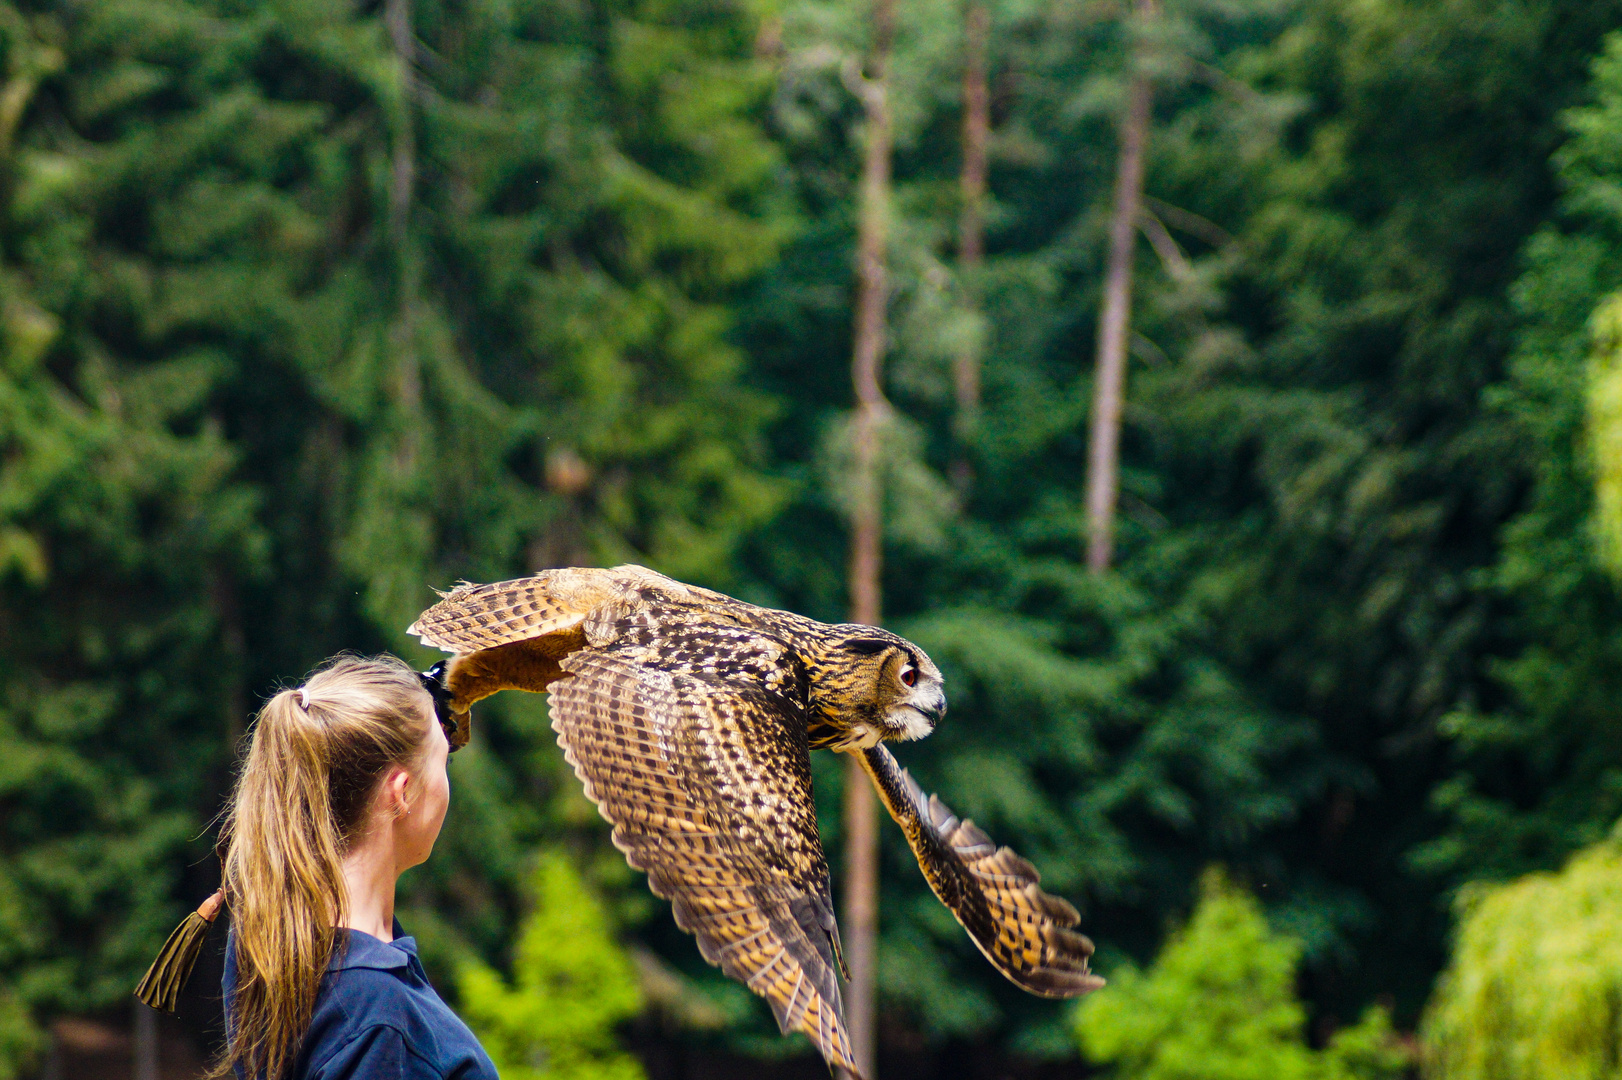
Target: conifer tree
307,308
316,308
1335,427
1534,770
1310,489
1074,706
572,984
971,228
120,507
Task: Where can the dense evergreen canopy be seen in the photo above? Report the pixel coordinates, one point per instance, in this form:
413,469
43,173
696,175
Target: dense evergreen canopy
308,308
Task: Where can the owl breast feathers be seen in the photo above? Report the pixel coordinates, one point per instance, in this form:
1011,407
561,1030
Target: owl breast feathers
690,717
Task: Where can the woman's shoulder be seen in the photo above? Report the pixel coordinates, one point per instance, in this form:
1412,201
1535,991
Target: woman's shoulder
371,982
376,992
376,1015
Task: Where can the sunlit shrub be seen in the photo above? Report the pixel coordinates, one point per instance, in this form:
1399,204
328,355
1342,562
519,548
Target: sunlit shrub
572,983
1219,1004
1534,991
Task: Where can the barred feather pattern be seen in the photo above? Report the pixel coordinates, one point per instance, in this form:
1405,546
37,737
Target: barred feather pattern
996,895
472,617
707,783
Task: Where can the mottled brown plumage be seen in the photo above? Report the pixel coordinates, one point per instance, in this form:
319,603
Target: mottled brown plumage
690,717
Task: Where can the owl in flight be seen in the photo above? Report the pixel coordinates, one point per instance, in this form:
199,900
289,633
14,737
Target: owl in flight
690,718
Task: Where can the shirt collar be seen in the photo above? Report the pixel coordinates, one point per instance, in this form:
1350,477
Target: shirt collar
362,950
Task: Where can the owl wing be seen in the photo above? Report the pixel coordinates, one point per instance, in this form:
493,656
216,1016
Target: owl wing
1025,932
707,782
513,635
472,617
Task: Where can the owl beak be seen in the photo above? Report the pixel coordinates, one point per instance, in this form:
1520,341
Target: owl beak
917,716
934,708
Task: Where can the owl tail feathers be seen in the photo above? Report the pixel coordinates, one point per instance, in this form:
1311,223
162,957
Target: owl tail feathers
161,985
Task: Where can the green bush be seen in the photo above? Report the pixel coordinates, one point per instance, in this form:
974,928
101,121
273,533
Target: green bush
20,1039
1534,988
1220,1004
572,984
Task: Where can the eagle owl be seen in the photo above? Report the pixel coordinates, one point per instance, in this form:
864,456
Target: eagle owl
690,718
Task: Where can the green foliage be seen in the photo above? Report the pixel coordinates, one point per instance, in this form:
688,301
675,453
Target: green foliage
1532,989
572,983
1332,479
1219,1004
1312,489
258,398
1605,430
20,1040
118,514
1536,771
1593,166
1092,726
292,330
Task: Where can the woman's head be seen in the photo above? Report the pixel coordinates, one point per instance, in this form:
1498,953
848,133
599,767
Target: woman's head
354,750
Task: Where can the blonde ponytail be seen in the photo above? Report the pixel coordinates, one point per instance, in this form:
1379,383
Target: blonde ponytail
316,756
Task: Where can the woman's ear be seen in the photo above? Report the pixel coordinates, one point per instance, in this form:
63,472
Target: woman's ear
397,792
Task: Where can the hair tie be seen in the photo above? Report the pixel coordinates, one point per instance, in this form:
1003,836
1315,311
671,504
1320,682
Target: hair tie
304,698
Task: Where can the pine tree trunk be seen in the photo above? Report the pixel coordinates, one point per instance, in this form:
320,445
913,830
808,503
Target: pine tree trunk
403,167
861,809
971,228
1103,459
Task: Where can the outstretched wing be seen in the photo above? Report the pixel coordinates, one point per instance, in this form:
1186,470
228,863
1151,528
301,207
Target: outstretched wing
510,635
1025,932
706,778
472,617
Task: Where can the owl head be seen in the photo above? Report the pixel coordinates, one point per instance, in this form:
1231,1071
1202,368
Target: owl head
883,686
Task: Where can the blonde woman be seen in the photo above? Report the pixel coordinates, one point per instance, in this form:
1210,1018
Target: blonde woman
342,790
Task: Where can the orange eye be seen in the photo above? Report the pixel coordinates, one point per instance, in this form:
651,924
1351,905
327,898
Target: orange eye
909,676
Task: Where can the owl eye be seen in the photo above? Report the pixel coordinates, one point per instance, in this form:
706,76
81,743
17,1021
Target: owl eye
909,676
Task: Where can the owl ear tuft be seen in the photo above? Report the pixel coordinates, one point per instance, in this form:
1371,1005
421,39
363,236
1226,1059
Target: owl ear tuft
868,646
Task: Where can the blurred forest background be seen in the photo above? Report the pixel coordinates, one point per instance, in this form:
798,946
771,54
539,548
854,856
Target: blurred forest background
308,307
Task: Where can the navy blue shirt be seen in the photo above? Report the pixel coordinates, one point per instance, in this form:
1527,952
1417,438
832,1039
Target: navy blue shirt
377,1018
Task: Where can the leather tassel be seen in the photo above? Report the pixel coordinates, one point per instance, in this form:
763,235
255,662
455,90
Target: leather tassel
160,987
